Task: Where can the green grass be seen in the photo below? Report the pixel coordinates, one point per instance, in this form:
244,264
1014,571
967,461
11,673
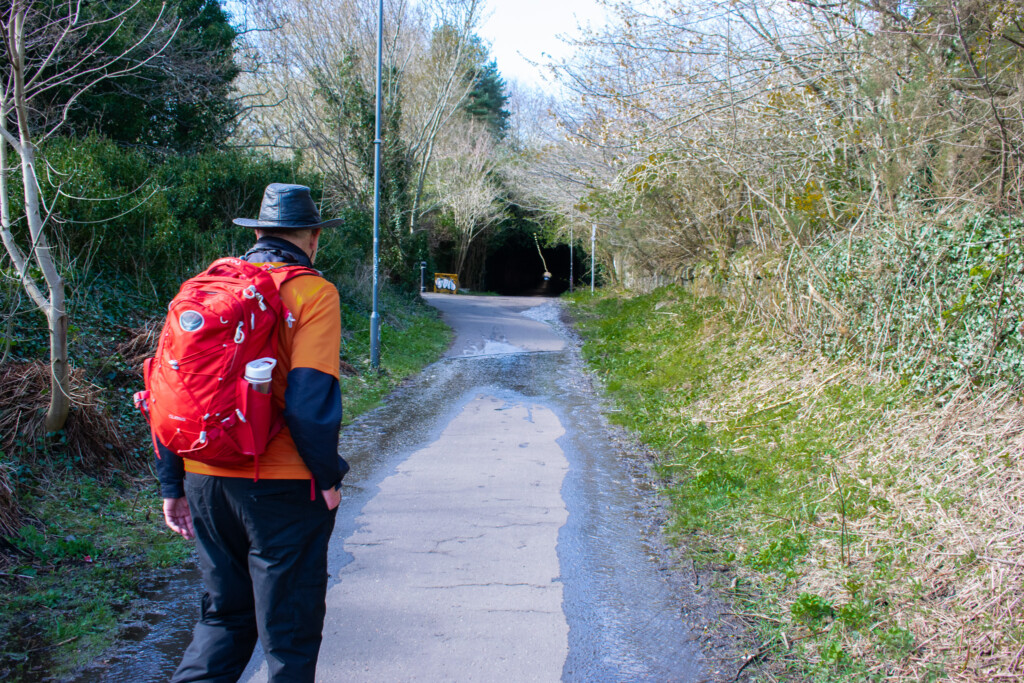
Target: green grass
751,457
411,337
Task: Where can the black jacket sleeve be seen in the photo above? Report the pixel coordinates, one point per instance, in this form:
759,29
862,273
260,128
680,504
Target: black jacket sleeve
170,470
312,411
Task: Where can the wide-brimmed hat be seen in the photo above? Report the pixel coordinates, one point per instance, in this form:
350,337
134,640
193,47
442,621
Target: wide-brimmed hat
287,207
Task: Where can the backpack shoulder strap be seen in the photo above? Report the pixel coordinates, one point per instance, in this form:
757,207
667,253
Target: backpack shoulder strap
282,274
228,264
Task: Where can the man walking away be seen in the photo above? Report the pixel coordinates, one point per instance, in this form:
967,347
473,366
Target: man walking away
262,535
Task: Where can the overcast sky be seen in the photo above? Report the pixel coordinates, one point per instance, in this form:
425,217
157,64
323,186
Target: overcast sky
529,28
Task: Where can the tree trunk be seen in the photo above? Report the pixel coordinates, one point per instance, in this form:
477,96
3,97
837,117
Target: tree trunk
54,309
60,377
56,312
464,243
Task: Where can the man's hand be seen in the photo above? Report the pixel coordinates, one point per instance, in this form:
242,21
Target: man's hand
179,518
332,497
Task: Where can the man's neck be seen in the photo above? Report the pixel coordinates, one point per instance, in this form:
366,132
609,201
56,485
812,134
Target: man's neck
276,249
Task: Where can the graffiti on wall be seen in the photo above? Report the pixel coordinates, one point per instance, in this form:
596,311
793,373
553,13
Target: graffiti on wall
446,283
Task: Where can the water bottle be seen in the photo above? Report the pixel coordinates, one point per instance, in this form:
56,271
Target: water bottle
258,373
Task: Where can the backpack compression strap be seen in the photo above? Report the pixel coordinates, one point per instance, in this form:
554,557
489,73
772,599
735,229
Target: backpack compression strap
282,274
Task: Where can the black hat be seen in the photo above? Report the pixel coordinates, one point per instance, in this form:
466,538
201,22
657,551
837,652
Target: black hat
287,206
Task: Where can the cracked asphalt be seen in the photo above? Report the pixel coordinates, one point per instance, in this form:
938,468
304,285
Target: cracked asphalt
454,571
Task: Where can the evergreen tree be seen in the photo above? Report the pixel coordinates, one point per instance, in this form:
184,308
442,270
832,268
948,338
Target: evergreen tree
177,101
487,100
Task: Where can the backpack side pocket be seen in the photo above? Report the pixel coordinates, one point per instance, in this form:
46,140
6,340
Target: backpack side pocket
252,431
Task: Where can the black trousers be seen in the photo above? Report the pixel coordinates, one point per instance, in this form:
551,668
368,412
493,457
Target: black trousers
263,554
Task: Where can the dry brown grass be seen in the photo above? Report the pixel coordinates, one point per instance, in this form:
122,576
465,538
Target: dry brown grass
949,474
92,440
949,537
140,345
957,496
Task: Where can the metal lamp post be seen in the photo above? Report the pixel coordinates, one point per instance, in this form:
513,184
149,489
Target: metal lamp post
593,239
570,259
423,286
377,142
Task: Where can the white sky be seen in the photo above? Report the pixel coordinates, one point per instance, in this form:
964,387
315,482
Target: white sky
529,28
519,30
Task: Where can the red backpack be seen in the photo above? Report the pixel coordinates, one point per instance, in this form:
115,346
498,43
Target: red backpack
197,401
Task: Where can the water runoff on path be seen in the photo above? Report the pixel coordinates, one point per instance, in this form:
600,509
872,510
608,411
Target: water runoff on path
623,614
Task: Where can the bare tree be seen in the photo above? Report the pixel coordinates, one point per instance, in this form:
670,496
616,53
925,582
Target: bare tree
305,49
37,41
691,122
443,93
467,185
797,121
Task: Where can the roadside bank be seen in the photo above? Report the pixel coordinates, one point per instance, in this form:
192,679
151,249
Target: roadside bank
871,532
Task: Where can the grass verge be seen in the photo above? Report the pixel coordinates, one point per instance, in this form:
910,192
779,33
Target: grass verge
75,567
82,531
874,533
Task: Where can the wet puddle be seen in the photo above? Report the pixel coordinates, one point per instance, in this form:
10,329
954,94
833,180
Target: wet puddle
149,649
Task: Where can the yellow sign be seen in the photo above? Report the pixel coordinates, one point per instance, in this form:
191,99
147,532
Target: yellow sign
446,283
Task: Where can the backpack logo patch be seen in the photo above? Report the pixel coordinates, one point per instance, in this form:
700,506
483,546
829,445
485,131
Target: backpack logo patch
190,321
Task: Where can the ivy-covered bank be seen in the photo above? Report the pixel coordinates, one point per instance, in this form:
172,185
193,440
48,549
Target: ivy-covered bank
872,530
82,522
937,302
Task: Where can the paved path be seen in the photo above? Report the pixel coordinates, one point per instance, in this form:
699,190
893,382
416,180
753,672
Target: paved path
486,325
455,570
455,558
455,573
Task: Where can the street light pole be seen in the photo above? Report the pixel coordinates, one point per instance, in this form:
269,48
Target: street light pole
570,259
423,286
593,239
377,142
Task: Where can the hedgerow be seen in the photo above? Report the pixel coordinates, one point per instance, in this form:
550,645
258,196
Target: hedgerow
940,304
935,303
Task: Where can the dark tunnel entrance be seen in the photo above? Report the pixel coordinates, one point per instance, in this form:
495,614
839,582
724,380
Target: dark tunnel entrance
515,268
